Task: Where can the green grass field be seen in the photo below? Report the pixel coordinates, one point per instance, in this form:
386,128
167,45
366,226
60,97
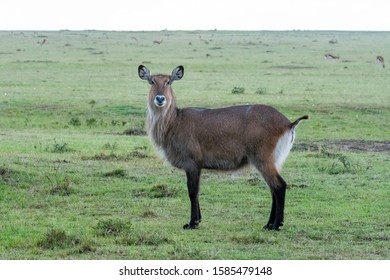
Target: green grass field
80,180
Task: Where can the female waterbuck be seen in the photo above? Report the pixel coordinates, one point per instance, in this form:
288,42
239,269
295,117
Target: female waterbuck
224,139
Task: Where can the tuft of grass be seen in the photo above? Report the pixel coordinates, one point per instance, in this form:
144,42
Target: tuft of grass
61,186
297,186
91,122
112,147
261,90
63,189
112,227
114,157
135,131
157,191
116,173
92,103
149,214
139,154
267,239
339,163
238,90
58,148
7,174
58,238
162,190
101,156
75,121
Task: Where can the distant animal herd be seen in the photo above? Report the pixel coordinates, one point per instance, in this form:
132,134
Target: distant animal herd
379,59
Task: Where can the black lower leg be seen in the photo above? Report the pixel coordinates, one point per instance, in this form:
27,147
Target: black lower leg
278,190
272,214
280,197
193,192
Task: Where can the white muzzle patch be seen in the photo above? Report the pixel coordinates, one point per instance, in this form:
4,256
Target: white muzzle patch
160,100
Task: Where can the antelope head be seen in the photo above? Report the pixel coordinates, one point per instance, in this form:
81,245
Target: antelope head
161,92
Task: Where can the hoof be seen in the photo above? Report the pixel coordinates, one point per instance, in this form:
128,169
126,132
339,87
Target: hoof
187,226
190,226
267,226
272,227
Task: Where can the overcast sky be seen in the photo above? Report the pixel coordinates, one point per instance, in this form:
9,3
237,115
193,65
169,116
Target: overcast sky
134,15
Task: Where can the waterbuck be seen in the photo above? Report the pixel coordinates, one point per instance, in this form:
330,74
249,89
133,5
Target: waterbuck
380,60
224,139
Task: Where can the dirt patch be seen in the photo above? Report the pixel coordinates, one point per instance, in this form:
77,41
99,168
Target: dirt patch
347,145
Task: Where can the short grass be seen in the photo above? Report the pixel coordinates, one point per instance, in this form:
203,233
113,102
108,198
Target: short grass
80,180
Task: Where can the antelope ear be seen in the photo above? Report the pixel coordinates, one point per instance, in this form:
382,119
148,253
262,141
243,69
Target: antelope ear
144,73
177,73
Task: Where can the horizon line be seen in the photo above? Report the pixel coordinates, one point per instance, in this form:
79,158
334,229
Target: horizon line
192,30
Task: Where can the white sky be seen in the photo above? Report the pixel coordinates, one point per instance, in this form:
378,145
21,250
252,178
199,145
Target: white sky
134,15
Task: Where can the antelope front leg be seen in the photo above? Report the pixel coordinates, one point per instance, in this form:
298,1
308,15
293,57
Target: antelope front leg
193,177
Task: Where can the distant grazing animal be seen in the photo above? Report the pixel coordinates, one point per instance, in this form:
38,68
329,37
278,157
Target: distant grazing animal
224,139
330,56
157,42
42,43
380,60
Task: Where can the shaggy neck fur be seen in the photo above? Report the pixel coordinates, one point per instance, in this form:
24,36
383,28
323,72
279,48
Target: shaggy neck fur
159,121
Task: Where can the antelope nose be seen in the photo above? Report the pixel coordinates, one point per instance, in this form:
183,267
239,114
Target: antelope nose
160,100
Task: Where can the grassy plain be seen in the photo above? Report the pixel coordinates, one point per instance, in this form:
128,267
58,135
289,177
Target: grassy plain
80,180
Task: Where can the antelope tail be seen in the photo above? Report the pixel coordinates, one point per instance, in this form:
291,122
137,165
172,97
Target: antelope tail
295,123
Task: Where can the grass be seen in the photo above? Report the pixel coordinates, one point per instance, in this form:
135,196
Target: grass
79,179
